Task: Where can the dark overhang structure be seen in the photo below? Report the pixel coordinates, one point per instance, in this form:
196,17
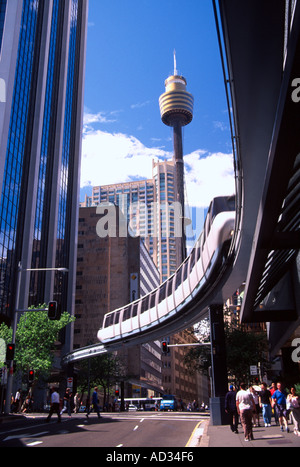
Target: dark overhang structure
271,54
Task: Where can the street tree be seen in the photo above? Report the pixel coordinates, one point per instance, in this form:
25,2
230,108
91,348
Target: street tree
35,340
103,371
244,348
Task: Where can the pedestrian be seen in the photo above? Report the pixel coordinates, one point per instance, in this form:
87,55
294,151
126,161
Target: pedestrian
256,412
77,402
54,405
272,389
231,409
95,403
245,406
25,407
265,404
67,403
279,402
17,401
294,404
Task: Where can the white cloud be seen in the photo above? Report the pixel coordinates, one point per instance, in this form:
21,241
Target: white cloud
100,117
208,175
139,105
115,157
109,158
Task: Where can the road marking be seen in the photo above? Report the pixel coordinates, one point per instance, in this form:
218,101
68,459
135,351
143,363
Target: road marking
26,435
135,428
119,446
195,432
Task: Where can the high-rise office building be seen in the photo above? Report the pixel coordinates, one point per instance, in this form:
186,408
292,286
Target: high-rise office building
111,272
151,213
42,62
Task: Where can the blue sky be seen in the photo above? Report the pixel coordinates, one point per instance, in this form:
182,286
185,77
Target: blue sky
129,55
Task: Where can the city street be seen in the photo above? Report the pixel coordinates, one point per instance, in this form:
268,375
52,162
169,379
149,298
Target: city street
137,429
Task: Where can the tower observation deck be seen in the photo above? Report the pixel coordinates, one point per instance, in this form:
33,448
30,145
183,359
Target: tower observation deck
176,109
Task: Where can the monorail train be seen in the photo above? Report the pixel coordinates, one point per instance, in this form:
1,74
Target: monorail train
191,278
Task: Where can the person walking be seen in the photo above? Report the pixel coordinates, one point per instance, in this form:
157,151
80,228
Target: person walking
245,407
265,404
17,401
279,401
67,403
272,389
95,403
294,403
54,405
256,412
231,410
76,403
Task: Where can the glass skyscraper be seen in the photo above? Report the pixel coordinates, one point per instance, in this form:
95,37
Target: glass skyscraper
42,61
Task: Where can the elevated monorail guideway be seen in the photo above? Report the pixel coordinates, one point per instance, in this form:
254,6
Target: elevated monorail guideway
180,301
174,305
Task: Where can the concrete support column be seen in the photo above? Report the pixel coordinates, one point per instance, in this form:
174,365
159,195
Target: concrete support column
219,367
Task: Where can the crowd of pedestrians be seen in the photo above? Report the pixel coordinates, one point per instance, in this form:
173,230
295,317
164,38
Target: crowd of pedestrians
247,405
71,403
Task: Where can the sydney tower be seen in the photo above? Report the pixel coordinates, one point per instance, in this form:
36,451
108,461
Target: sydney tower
176,109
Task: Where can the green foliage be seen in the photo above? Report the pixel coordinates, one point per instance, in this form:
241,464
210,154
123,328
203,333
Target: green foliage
103,371
297,387
6,335
35,339
243,349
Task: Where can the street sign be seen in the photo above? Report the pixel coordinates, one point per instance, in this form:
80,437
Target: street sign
70,383
253,370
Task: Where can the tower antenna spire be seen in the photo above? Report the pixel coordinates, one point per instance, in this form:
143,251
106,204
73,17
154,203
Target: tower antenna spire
175,63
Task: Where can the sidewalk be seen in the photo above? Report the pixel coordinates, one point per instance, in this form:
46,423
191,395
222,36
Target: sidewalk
222,436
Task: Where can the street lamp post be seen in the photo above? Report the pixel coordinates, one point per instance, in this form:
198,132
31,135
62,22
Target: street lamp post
15,322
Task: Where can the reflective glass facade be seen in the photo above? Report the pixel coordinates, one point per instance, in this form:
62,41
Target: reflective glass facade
15,153
43,151
2,19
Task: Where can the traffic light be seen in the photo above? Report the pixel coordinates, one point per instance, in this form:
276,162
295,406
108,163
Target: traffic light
117,392
10,352
30,376
52,311
164,347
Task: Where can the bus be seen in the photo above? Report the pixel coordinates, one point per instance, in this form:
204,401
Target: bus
142,403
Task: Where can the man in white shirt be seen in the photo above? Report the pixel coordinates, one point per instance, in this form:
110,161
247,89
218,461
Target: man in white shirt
245,407
55,401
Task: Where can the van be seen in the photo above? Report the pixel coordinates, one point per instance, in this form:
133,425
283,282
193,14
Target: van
168,402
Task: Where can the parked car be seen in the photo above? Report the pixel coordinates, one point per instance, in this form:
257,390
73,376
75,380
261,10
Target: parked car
132,407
